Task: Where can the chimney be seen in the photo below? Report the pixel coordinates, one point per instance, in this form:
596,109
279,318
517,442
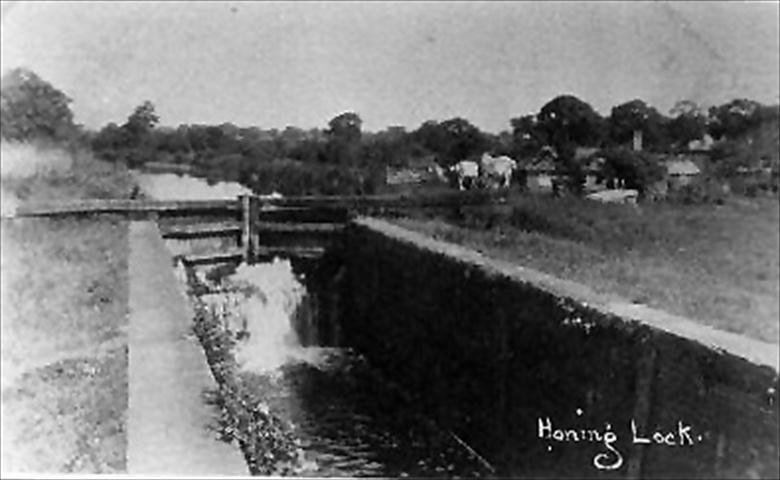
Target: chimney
637,140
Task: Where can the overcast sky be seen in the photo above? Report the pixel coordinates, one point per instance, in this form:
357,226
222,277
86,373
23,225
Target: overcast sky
278,64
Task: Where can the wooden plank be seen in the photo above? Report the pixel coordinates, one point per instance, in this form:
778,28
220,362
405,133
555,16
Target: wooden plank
249,208
454,198
201,230
289,252
98,206
300,227
233,254
312,208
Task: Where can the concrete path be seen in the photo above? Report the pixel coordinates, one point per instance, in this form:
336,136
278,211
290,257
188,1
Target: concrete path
169,426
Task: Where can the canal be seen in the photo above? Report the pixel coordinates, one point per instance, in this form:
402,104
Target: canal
347,418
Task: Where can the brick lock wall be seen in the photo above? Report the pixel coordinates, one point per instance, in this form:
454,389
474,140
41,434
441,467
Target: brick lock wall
488,356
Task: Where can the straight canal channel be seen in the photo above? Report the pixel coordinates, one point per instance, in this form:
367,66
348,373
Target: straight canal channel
347,419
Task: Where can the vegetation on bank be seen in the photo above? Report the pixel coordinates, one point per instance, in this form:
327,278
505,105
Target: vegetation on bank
343,159
64,345
64,294
719,265
48,172
266,442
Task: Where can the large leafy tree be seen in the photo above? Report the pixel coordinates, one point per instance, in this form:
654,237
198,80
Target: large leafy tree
527,135
345,127
451,140
638,170
734,118
133,142
689,122
567,122
637,115
344,134
140,123
31,108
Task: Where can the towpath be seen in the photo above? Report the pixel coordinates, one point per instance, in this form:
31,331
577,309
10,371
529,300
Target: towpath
170,427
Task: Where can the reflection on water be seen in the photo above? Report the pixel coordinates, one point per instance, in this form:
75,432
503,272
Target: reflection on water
350,421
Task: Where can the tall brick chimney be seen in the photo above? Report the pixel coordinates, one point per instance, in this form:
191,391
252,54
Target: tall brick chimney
637,140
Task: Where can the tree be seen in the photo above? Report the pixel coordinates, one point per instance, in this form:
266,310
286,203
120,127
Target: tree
110,139
637,115
343,146
638,170
141,122
31,108
567,122
392,146
345,127
452,140
527,136
134,142
734,118
689,122
465,140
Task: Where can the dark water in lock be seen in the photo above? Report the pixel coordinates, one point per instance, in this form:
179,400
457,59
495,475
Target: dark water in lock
353,423
350,420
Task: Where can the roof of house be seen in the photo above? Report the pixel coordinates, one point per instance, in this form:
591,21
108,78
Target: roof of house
582,153
682,167
594,164
547,150
545,164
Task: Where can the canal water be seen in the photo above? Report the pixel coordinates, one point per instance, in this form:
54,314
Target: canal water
349,420
171,186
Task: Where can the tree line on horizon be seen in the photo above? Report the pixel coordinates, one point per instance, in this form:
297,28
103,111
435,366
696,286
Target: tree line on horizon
343,158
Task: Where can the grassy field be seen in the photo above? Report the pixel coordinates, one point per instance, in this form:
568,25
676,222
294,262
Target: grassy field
716,264
36,173
64,319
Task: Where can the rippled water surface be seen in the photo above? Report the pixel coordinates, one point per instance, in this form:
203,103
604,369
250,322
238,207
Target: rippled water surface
352,423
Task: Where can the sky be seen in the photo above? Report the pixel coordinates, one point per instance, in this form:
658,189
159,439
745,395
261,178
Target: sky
274,64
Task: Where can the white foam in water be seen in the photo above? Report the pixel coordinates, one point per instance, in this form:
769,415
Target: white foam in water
272,340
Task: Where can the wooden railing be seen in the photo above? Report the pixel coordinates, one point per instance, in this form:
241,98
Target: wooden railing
301,226
353,203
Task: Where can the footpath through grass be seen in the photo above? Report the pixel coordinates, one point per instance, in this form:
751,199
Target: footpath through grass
64,320
716,264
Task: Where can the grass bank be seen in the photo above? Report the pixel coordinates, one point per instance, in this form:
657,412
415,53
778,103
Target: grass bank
64,317
716,264
33,173
64,345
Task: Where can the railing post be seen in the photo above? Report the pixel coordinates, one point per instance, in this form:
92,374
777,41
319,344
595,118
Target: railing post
249,204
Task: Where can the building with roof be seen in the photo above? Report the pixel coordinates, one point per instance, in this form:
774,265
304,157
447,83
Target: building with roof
539,173
681,171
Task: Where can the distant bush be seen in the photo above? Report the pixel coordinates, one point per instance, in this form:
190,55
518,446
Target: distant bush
638,169
33,173
571,218
290,177
701,191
